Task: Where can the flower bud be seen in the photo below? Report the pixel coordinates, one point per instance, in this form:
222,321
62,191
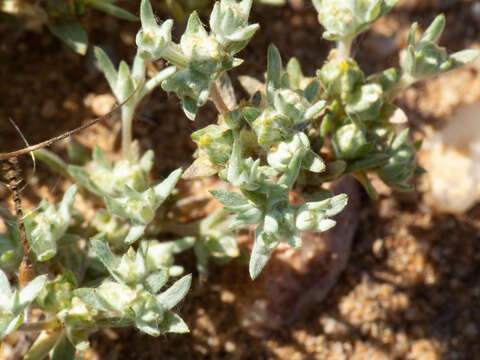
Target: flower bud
152,41
114,228
118,296
202,50
345,19
192,87
314,216
229,23
401,165
48,224
365,102
425,58
216,142
291,103
349,142
271,127
101,178
280,158
340,77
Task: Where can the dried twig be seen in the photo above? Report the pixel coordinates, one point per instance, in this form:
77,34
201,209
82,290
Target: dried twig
29,149
12,173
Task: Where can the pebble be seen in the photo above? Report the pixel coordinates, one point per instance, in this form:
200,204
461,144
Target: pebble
378,248
100,104
452,160
423,349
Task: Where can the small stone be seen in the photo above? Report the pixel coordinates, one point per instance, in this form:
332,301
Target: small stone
70,104
227,297
100,104
378,248
230,346
332,326
425,350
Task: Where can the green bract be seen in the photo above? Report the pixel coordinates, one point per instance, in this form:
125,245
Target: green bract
425,58
215,142
12,303
345,19
47,225
11,251
229,24
103,178
215,240
140,207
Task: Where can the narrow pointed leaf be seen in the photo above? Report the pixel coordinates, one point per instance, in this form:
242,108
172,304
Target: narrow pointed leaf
434,31
173,323
106,66
30,292
63,349
73,35
104,253
113,10
175,293
91,297
146,14
163,190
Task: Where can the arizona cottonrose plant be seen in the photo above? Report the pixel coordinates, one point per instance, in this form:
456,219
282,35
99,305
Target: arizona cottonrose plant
292,132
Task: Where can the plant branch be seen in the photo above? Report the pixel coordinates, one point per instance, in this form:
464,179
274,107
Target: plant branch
127,118
181,229
39,326
217,99
28,149
343,48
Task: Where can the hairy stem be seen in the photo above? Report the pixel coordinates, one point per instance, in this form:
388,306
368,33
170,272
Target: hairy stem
344,47
127,119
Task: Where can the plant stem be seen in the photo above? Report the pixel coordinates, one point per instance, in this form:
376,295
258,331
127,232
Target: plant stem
127,119
182,229
343,48
39,326
217,99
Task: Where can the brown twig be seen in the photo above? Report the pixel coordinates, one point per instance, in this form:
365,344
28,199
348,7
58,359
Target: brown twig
217,99
28,149
12,173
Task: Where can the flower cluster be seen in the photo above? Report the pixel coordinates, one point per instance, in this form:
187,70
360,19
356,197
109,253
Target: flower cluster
201,57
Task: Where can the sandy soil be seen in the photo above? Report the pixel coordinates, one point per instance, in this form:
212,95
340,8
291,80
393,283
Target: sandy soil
411,289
